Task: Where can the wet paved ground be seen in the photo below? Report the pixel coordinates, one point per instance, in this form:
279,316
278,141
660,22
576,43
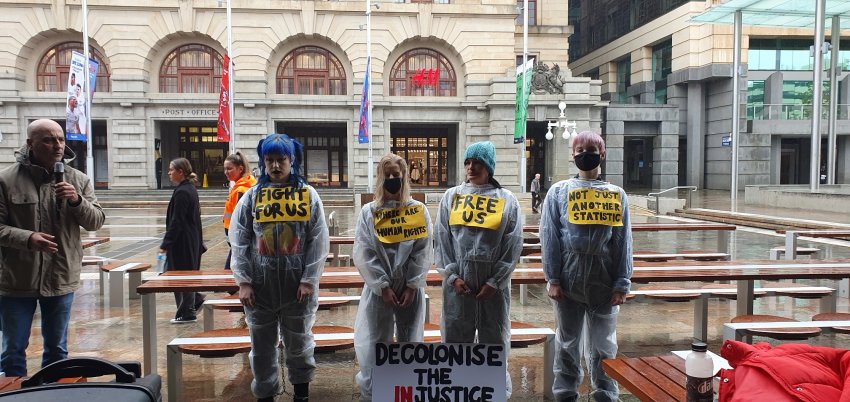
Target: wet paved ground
645,328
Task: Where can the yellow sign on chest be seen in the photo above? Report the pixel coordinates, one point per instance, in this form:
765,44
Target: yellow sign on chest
477,211
400,224
282,204
587,206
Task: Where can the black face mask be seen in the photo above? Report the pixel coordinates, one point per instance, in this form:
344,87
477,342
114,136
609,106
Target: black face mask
587,161
393,185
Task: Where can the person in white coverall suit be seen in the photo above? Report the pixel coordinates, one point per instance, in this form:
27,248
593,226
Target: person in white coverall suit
392,251
478,243
586,239
279,240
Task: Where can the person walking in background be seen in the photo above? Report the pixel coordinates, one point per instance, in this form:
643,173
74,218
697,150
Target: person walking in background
237,171
279,239
478,243
587,261
535,193
41,269
394,267
183,242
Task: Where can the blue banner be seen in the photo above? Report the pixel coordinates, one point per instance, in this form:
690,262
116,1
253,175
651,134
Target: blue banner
365,122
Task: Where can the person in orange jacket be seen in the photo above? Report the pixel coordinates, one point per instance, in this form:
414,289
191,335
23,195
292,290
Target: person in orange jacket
238,172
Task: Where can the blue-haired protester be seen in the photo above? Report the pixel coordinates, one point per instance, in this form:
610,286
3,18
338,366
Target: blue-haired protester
587,260
279,240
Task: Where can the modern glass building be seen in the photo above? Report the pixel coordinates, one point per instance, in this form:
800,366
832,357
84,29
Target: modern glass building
668,81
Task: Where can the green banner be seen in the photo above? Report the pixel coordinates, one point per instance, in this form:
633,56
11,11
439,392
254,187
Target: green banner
521,114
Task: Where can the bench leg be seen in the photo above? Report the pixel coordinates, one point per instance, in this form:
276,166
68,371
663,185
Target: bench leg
209,318
827,303
523,290
149,332
844,288
549,366
701,318
427,310
745,297
774,254
116,289
102,283
790,245
134,279
174,361
730,333
723,241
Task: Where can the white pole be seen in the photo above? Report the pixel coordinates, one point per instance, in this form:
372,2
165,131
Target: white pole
230,79
817,97
736,107
87,91
833,100
369,89
522,161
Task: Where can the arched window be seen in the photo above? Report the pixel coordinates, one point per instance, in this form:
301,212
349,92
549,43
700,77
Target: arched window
191,69
310,70
53,68
422,72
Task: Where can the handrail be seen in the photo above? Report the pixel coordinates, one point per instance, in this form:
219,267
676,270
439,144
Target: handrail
677,188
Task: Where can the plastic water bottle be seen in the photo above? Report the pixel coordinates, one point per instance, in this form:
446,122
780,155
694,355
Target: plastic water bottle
160,263
699,369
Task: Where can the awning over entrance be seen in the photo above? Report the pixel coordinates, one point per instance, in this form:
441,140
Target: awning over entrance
787,14
775,13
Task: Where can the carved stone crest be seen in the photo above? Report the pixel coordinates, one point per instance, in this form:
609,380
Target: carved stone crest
546,80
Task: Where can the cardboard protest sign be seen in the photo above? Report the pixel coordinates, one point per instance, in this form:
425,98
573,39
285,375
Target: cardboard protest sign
424,372
587,206
282,204
477,210
400,224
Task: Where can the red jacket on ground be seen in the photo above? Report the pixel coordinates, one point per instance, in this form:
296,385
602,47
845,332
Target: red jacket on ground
789,372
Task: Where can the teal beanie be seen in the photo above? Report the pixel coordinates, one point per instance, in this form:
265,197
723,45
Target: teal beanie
483,151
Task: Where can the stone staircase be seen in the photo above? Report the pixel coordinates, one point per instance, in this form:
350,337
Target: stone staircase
754,220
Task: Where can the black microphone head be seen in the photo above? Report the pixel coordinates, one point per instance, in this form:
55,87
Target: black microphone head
58,172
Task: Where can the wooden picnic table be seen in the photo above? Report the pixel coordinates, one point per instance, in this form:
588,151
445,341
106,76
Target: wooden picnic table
791,240
93,241
655,378
721,228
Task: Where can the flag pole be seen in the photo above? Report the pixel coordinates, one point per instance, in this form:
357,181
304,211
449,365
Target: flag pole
230,79
87,91
369,89
522,161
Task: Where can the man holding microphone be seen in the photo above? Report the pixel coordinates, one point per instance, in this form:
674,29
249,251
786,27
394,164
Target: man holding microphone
40,218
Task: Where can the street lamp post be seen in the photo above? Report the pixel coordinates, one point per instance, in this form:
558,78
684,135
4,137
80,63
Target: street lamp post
562,125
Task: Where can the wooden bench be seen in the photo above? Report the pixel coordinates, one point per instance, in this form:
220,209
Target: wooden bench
14,383
777,253
90,260
327,301
329,339
231,342
112,275
740,331
791,239
834,317
701,296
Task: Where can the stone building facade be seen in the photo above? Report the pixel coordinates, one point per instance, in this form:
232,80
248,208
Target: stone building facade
443,76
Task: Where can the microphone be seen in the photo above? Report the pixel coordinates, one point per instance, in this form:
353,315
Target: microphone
58,177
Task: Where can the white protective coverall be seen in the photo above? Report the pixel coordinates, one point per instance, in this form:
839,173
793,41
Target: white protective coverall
394,265
275,258
586,241
479,256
